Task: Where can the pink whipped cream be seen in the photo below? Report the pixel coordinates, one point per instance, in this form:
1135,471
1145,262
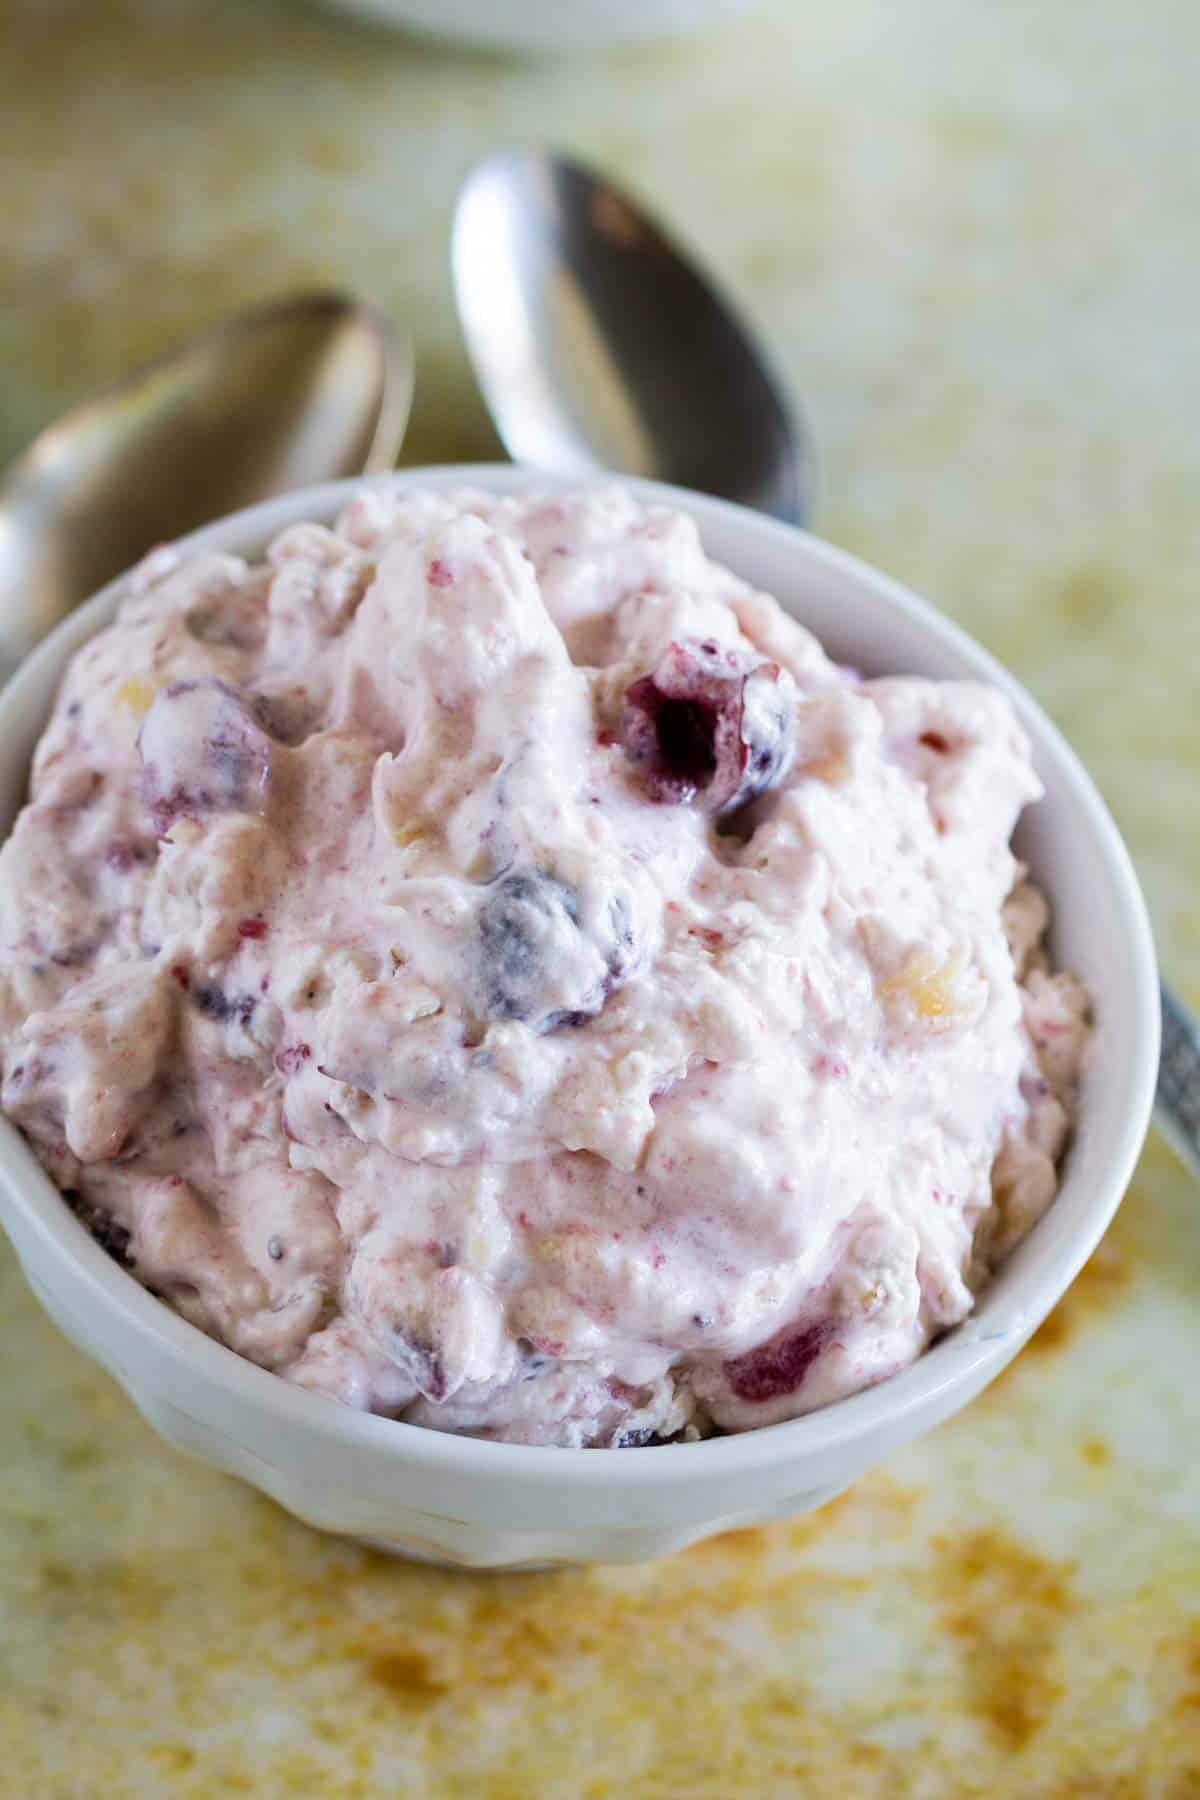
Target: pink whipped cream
487,964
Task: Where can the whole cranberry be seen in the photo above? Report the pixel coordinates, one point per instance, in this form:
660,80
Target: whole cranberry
708,727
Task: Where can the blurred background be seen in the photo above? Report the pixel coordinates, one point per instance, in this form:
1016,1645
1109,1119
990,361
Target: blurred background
969,233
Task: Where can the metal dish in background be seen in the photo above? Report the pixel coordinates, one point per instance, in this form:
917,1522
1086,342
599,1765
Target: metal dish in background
535,25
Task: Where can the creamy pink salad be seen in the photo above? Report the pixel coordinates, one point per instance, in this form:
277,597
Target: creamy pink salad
488,964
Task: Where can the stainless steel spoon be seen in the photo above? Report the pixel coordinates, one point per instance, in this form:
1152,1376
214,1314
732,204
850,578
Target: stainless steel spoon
299,391
599,346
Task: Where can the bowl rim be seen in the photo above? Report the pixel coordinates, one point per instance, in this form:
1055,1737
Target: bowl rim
967,1356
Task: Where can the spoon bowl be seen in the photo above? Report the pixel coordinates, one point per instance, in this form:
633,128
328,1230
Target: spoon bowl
288,394
599,345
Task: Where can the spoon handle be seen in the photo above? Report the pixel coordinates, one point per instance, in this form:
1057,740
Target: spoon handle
1178,1111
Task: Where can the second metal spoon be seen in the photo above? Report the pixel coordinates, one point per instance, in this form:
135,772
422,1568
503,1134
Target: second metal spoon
299,391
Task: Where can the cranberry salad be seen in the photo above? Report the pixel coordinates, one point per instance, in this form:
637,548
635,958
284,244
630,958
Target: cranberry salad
487,964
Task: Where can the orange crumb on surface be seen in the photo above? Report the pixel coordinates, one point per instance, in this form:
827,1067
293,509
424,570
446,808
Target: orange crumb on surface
408,1674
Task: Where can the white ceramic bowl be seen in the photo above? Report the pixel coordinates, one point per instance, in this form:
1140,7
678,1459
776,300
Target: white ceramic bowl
541,24
474,1503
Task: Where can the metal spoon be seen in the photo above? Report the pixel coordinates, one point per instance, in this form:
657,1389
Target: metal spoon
295,392
598,346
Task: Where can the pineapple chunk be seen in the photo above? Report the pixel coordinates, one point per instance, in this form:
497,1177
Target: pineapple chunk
135,696
833,769
931,985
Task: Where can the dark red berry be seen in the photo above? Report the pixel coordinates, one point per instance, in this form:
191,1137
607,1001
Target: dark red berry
778,1367
708,726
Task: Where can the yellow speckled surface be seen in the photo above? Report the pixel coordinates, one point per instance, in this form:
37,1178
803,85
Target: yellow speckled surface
971,232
